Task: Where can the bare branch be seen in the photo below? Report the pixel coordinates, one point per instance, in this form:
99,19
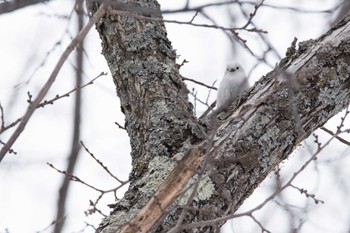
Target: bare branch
120,126
304,191
199,83
10,125
251,15
336,136
75,147
81,35
215,4
102,165
57,97
74,178
11,151
102,192
2,119
9,6
51,101
190,23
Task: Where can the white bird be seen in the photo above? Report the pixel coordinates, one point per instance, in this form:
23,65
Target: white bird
233,84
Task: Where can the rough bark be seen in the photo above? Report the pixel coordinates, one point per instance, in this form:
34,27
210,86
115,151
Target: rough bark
307,88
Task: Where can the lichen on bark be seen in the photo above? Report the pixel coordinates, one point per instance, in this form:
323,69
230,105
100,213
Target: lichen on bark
153,97
249,141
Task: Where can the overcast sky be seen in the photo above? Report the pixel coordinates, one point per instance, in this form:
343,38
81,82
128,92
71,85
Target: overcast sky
28,53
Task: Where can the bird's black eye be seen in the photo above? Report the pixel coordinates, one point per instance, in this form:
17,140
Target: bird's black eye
237,68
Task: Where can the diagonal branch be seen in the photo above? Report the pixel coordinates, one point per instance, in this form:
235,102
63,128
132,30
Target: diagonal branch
255,137
249,140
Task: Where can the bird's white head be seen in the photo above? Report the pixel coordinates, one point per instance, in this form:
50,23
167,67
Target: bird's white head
234,67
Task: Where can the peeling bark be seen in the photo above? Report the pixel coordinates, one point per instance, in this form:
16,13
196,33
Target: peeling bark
308,87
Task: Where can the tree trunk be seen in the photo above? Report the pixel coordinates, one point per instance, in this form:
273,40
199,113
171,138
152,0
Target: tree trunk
233,154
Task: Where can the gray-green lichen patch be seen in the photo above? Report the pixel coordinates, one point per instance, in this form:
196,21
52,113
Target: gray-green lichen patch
197,131
258,123
205,190
168,68
270,138
120,217
158,169
327,96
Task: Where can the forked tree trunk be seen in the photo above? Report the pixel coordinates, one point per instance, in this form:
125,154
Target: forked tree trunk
238,151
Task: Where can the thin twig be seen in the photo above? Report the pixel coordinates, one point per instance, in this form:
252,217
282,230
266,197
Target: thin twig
33,106
251,15
2,118
202,7
11,151
52,100
10,125
199,83
211,107
194,94
51,51
74,178
190,23
304,191
120,126
57,97
101,164
336,136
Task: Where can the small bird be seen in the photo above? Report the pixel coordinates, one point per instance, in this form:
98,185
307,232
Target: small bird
233,84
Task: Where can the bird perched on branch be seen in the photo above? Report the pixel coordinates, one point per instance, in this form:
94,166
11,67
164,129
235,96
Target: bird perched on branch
233,84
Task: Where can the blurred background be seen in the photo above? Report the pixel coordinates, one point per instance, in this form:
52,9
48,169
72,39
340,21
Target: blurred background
33,38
